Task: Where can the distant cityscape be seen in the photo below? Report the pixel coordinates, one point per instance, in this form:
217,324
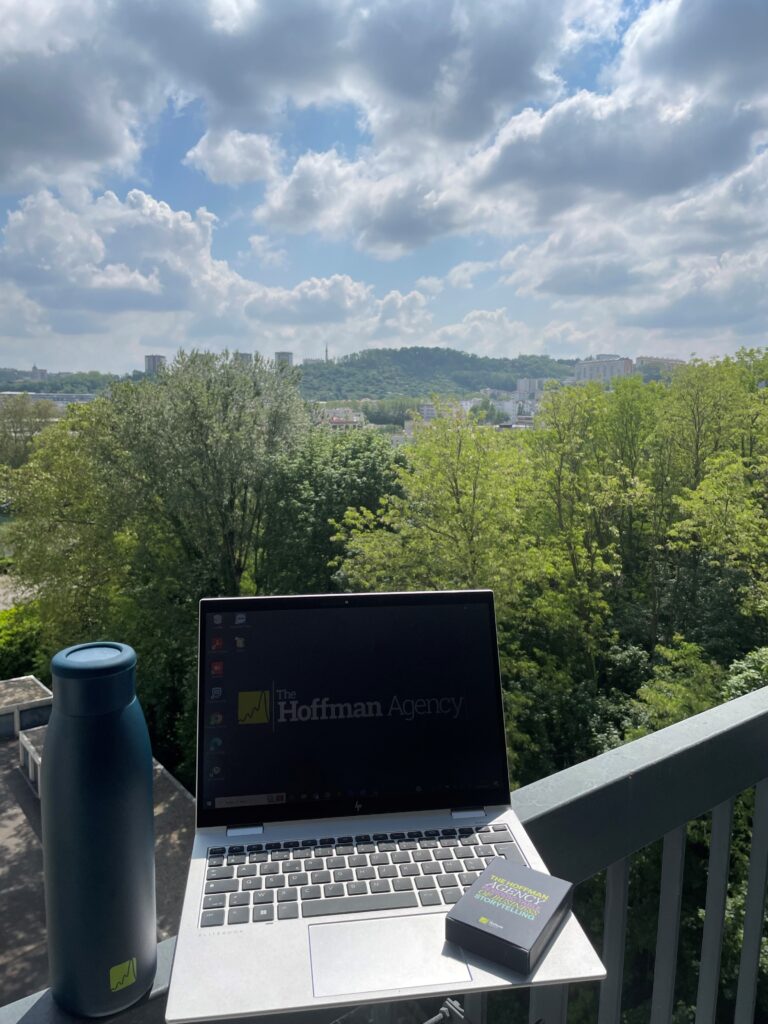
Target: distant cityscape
509,409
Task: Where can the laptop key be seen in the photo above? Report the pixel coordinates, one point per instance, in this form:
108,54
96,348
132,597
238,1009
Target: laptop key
236,849
425,882
401,858
216,851
272,846
214,902
451,842
380,885
324,851
409,870
362,874
380,837
511,852
474,864
366,848
239,899
291,844
215,862
225,885
255,847
467,877
263,914
421,855
344,850
500,828
483,851
432,868
414,835
247,870
265,896
326,841
443,855
452,895
428,844
314,864
360,904
343,875
336,862
287,895
275,881
319,877
379,858
452,866
211,918
236,858
485,828
402,884
334,889
309,842
431,832
345,840
407,844
298,878
387,847
310,892
257,858
287,911
279,855
446,881
465,851
470,841
430,898
365,838
387,871
447,831
358,862
290,866
251,883
501,837
357,889
214,873
466,830
396,836
270,869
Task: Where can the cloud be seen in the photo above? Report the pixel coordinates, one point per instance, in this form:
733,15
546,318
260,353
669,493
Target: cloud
233,157
264,250
317,301
463,274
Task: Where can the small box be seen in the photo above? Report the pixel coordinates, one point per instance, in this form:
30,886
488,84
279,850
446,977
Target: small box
510,914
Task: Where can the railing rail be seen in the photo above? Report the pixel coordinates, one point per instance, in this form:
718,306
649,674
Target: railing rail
594,817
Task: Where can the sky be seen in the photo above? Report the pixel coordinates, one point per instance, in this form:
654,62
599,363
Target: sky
566,177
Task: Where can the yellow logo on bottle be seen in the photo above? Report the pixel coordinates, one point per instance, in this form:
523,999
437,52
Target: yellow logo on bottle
122,975
253,707
484,920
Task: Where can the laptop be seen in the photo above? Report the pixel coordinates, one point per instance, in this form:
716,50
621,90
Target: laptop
351,783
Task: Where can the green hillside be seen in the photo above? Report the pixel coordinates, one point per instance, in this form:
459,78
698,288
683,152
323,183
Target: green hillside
382,373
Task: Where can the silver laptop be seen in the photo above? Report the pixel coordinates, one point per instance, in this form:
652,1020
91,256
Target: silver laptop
351,784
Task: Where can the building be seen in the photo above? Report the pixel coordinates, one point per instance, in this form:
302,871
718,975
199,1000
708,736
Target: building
152,364
603,368
37,373
343,418
427,411
284,358
658,363
246,358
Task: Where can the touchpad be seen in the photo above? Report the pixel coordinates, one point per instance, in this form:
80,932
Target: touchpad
389,953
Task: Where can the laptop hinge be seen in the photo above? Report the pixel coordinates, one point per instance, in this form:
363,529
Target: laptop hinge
246,830
469,812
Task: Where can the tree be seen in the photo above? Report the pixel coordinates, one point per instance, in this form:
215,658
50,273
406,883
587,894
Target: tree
21,417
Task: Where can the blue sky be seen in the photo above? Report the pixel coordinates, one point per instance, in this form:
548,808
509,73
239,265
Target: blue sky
501,176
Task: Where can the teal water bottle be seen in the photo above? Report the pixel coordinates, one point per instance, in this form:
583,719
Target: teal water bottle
98,833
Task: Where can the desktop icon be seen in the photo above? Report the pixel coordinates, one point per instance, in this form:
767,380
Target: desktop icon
217,668
215,743
217,642
240,618
240,643
216,693
215,718
216,771
217,619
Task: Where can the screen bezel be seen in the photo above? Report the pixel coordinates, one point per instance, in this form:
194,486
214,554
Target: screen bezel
494,738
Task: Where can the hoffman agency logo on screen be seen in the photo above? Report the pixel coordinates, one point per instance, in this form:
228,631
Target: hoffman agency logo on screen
253,708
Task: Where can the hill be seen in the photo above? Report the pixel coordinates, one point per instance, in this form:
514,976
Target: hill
386,372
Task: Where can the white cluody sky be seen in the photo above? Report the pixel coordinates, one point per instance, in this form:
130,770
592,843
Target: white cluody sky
500,176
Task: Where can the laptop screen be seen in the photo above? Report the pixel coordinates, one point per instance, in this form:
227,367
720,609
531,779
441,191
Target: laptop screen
333,705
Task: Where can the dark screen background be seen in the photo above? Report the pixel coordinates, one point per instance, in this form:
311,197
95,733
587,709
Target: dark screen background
264,661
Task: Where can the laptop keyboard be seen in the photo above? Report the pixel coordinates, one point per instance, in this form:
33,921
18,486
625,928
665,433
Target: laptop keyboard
348,874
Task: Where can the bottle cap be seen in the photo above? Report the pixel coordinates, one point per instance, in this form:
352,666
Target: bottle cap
93,679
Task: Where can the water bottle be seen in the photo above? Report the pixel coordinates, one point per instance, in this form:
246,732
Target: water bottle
98,833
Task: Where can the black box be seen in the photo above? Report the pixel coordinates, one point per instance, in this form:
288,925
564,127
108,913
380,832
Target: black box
510,914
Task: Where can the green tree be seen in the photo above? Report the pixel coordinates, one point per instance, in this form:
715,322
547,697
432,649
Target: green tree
21,418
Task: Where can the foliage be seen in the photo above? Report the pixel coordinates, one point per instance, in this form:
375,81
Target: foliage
384,373
21,418
19,642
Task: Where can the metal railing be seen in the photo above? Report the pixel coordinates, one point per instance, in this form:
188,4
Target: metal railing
591,818
596,815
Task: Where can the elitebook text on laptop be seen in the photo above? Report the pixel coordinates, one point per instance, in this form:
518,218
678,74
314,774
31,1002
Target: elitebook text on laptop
351,784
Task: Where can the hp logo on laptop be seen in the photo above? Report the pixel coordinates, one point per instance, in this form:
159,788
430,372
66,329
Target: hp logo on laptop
358,807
